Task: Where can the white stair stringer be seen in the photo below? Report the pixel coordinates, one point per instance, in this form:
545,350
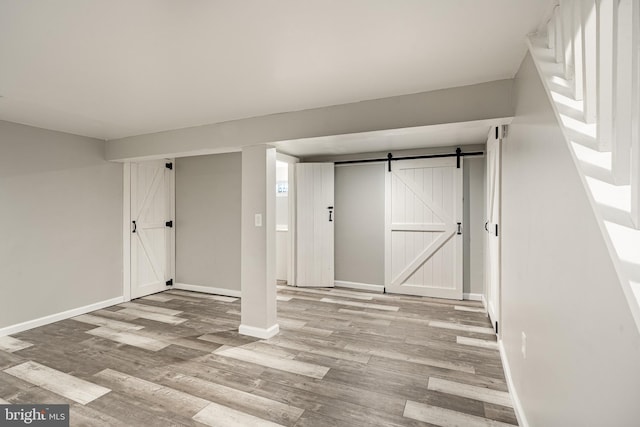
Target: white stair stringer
610,202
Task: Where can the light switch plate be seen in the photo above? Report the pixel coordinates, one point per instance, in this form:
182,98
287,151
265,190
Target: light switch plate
258,220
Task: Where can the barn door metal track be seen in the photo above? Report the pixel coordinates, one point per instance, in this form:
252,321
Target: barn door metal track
458,154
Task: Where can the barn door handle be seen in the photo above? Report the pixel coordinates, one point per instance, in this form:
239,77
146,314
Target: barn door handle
459,228
330,213
135,226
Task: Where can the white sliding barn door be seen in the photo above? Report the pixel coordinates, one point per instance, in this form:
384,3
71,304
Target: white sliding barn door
315,214
151,236
423,208
492,226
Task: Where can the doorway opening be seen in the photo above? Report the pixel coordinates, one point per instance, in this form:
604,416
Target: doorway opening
283,249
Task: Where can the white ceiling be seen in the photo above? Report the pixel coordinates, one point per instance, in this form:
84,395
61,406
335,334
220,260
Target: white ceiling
115,68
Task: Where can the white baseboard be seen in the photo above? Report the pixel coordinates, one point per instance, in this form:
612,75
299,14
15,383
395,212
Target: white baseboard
472,297
208,290
362,286
484,302
261,333
517,405
30,324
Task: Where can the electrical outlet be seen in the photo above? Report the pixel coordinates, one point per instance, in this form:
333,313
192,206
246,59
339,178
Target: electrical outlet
523,345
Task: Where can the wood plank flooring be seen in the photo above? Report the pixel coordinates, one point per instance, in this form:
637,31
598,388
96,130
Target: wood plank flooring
342,358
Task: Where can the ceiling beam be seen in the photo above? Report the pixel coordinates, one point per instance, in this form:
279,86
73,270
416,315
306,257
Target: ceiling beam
483,101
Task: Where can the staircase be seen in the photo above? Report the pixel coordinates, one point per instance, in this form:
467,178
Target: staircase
588,57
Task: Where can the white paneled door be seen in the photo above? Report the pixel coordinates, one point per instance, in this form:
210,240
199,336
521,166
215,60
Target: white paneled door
492,227
424,228
315,219
151,227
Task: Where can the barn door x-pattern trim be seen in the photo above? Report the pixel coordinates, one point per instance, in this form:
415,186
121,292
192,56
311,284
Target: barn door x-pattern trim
144,207
447,228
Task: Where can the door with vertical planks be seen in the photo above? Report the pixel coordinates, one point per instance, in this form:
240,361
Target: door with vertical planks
315,219
423,221
492,226
151,229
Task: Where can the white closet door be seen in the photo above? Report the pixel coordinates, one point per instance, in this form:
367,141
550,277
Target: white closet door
423,239
492,226
315,219
151,208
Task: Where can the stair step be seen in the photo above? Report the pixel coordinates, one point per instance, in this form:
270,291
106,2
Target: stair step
593,163
610,198
600,159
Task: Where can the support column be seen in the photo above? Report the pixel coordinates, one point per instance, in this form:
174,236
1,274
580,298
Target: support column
258,264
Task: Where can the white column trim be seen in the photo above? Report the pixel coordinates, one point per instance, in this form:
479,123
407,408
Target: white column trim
261,333
126,232
207,290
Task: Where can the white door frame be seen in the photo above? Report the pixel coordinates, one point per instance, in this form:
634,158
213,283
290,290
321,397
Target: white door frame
126,232
126,228
291,220
493,230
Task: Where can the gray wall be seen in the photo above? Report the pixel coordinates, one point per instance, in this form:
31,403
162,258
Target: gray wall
474,217
559,285
61,223
359,230
208,207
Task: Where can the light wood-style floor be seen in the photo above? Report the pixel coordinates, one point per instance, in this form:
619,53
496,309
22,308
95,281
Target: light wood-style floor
342,358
